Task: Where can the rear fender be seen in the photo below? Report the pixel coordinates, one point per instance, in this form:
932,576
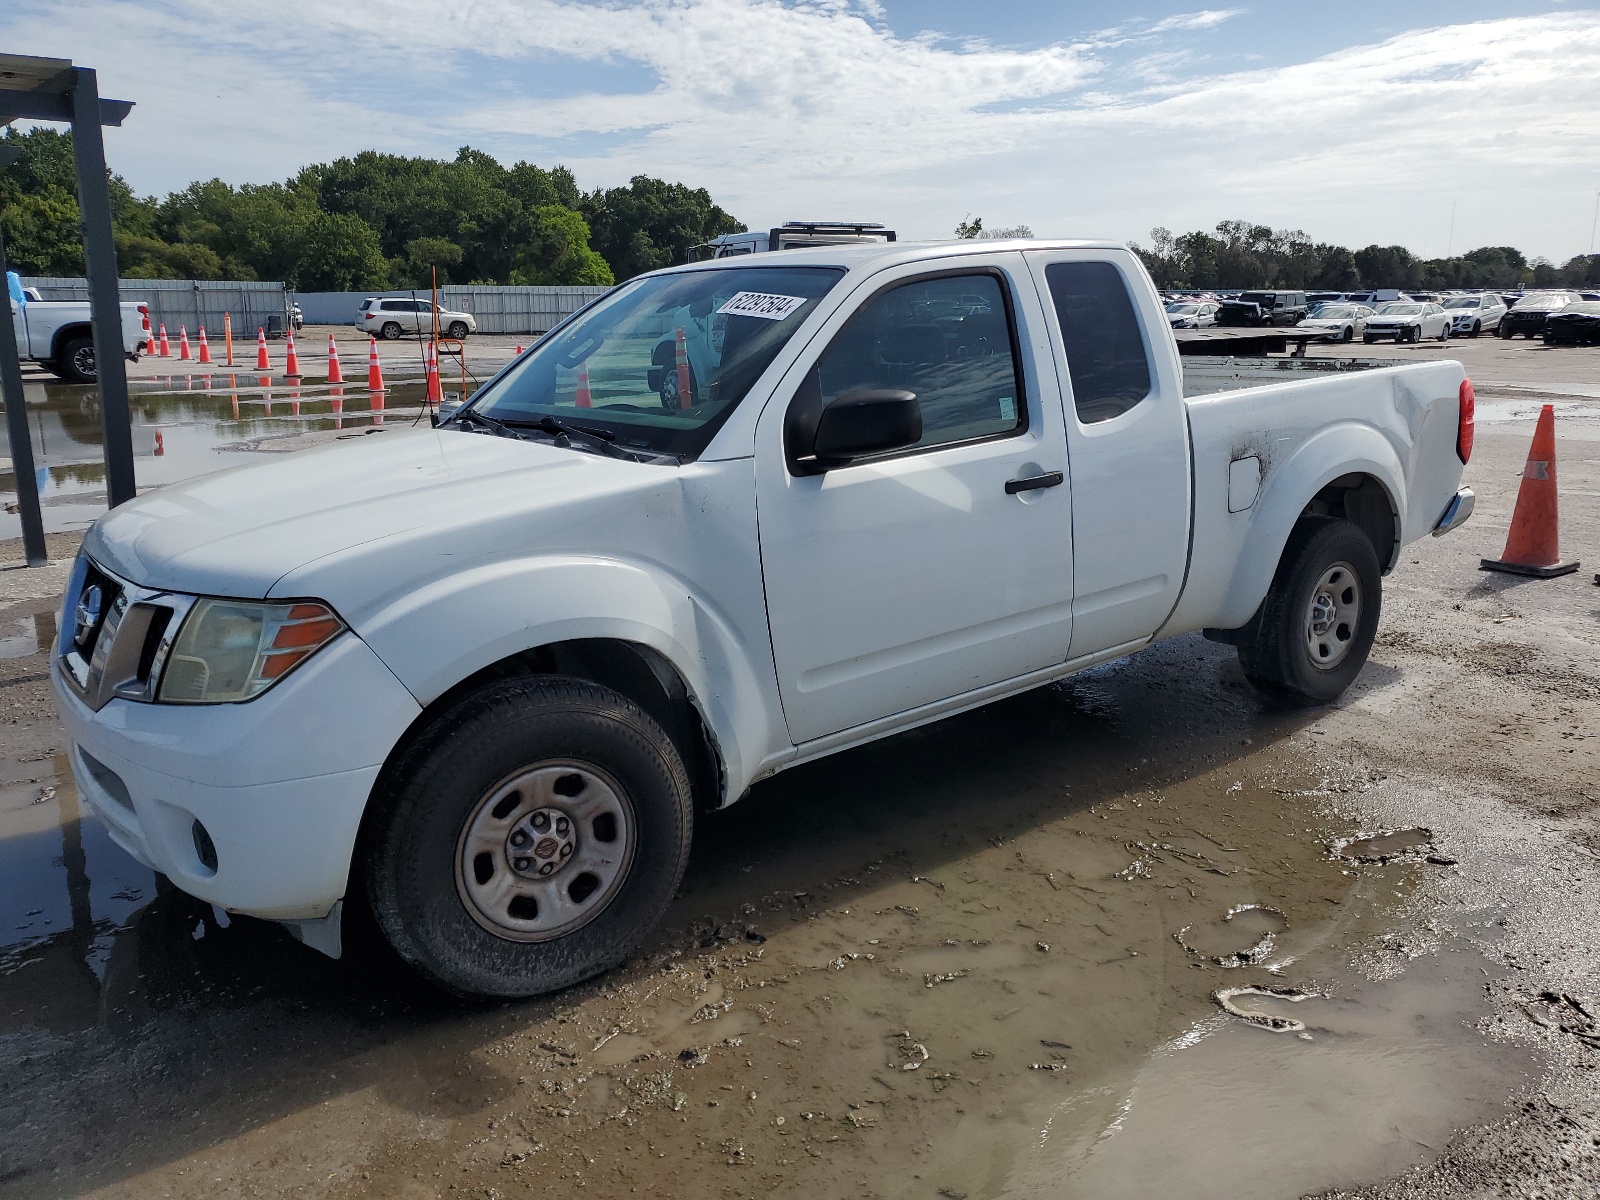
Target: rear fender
1235,555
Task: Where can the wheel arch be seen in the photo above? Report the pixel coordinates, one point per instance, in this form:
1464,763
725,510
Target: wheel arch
67,332
1347,470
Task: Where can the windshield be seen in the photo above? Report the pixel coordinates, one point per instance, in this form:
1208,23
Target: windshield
1183,310
1542,300
1327,311
1400,310
662,362
1463,302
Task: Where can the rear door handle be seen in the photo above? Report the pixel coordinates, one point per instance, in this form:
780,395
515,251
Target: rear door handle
1034,482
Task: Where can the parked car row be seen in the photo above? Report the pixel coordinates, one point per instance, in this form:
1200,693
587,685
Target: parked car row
1559,317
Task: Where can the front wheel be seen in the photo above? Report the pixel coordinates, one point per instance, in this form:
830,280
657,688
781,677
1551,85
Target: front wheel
1477,328
532,837
457,330
1444,334
671,397
1504,331
1315,628
1368,338
1349,334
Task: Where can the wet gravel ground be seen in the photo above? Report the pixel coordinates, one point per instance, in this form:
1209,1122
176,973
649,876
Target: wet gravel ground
1140,933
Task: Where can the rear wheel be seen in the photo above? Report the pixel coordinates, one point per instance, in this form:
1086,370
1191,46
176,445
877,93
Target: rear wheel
532,837
1444,334
75,362
391,331
1315,628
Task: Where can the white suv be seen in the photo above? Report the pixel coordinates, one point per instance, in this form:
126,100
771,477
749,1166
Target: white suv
1475,314
391,317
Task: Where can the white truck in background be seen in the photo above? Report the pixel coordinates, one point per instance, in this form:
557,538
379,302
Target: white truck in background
59,335
794,235
481,678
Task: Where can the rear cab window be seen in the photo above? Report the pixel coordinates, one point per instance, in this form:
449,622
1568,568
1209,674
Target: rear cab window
1107,360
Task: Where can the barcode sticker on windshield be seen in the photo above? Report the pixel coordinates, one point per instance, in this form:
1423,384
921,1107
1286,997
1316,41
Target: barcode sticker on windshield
761,304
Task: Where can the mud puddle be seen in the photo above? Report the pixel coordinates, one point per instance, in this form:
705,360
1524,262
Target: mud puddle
918,969
188,425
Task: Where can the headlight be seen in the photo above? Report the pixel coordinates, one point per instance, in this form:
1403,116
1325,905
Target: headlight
232,650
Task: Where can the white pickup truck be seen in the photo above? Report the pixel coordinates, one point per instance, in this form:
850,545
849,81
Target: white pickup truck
58,333
483,677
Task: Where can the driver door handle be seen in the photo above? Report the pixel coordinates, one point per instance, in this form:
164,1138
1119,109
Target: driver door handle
1034,482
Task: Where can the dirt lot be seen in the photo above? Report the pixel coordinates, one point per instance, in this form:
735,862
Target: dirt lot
979,960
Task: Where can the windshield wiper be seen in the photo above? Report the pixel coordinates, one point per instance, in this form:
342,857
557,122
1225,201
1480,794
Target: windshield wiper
601,439
468,413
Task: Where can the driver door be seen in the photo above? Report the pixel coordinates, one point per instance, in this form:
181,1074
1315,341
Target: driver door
923,574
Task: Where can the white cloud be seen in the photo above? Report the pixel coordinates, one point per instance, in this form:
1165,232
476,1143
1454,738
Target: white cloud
787,110
1205,19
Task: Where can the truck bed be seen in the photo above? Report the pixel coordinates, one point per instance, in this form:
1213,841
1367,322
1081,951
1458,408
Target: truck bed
1305,424
1203,376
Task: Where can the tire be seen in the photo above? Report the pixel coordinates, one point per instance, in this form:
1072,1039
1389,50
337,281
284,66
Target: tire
1349,334
1477,328
75,363
1329,576
1444,334
1504,330
486,771
670,400
1368,338
457,330
391,331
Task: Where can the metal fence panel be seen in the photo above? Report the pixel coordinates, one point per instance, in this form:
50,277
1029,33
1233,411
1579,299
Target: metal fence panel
189,303
497,309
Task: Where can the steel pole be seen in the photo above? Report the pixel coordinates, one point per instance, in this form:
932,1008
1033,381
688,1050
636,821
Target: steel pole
21,438
100,265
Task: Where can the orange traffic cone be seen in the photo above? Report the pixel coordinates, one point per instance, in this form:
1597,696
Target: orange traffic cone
149,338
292,368
683,370
1531,546
518,353
205,350
335,375
374,368
435,391
166,347
183,344
584,398
261,350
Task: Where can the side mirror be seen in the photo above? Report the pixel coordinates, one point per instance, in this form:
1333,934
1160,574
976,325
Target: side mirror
859,423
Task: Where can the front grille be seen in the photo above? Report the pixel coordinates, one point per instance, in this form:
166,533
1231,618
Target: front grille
119,637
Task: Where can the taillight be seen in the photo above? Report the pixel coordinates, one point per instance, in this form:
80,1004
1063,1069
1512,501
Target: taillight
144,310
1467,422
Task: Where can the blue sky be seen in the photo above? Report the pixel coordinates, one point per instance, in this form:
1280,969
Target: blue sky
1440,126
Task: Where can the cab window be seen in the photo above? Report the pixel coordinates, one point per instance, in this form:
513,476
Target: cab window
948,340
1106,356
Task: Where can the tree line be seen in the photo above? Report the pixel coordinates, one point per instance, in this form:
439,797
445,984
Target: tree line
371,221
1238,254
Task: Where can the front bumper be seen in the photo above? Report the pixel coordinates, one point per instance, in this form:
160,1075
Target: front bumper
278,784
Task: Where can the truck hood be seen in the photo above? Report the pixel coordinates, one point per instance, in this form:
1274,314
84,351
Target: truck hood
238,532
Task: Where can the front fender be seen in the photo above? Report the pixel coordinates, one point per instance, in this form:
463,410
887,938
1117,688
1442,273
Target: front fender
450,628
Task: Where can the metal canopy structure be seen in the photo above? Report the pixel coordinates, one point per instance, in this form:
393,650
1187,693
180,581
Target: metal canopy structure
52,89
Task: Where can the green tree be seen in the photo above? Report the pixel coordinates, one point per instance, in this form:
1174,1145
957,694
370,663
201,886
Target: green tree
652,223
558,252
339,253
969,226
